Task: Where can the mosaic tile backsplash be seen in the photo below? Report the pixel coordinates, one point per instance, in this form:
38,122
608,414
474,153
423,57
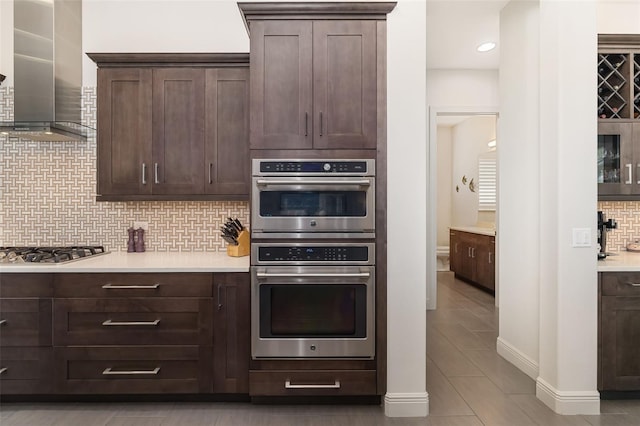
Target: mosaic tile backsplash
627,214
48,190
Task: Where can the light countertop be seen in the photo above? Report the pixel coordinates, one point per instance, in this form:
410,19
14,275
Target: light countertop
621,261
141,262
475,230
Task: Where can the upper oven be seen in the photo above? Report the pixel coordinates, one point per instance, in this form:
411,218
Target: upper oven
325,198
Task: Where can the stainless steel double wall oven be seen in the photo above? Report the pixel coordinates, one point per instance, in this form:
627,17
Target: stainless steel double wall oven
313,259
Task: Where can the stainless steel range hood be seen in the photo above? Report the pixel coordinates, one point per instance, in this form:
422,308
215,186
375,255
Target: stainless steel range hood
47,71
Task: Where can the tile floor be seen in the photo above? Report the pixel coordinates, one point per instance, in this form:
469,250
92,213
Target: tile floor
468,385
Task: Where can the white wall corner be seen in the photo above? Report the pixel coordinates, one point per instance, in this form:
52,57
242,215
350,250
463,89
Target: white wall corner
406,404
517,358
568,402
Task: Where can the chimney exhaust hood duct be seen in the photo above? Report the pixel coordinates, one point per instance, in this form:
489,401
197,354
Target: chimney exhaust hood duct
47,71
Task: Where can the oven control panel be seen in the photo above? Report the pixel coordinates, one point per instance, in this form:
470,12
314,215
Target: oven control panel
262,167
305,254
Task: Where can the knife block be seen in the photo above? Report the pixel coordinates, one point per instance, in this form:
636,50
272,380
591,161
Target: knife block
244,245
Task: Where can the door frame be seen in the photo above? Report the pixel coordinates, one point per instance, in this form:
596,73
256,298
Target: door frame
432,191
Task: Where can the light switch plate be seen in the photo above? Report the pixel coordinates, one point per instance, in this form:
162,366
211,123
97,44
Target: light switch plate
581,237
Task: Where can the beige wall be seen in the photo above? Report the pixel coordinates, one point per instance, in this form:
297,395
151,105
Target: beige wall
444,188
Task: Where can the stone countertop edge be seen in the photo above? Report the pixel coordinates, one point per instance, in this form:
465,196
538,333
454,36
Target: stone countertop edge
140,262
475,230
620,261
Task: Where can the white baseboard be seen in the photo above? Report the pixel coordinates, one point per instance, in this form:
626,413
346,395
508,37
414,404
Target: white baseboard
568,402
406,404
517,358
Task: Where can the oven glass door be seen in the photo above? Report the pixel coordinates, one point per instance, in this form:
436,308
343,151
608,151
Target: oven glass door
322,204
313,311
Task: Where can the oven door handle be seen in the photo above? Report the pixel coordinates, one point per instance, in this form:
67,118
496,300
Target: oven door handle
303,275
362,182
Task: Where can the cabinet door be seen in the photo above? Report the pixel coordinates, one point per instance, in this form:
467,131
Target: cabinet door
344,86
620,332
617,172
124,131
178,131
281,85
227,131
467,259
231,339
485,262
455,255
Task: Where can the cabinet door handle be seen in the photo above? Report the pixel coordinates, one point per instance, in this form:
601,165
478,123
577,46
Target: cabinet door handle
110,372
289,385
320,123
130,287
219,296
131,323
490,257
3,370
468,251
306,126
210,173
630,178
455,247
473,252
3,321
633,284
638,174
155,173
144,173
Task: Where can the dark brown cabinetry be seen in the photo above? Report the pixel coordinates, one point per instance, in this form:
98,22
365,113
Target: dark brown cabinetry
172,126
25,333
619,331
473,258
618,160
133,333
314,84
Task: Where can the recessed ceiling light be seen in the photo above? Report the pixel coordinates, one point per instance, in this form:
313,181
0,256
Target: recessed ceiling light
485,47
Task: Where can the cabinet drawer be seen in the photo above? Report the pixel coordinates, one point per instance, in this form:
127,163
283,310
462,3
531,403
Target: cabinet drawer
25,322
621,284
133,285
133,321
133,369
316,382
26,285
25,370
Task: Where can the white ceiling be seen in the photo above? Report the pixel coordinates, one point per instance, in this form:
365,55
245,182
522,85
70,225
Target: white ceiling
455,28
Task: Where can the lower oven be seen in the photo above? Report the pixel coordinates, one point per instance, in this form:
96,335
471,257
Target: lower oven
322,310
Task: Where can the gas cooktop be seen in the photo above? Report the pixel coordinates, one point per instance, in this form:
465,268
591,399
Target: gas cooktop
48,255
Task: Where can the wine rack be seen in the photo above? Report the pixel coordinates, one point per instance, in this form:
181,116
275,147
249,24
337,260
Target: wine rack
636,86
613,85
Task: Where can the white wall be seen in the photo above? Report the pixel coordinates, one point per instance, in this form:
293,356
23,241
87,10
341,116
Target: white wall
445,188
466,88
618,16
470,139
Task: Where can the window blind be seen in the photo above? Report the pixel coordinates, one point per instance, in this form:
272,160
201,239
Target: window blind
487,182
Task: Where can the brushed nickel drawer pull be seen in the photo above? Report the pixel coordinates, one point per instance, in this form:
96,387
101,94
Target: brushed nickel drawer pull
131,323
633,284
3,321
289,385
131,287
144,174
319,275
109,372
3,370
155,174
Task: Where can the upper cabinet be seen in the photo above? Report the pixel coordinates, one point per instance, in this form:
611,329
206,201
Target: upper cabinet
316,74
618,95
173,126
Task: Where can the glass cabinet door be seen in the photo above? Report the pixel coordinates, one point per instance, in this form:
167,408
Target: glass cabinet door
618,174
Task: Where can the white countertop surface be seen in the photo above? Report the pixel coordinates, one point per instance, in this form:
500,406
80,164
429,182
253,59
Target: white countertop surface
475,230
141,262
621,261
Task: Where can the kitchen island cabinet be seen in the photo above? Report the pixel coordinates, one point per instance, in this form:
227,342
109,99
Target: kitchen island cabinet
172,126
473,257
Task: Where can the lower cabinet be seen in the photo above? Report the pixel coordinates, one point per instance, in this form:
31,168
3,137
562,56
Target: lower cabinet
472,257
124,333
25,334
619,332
313,382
